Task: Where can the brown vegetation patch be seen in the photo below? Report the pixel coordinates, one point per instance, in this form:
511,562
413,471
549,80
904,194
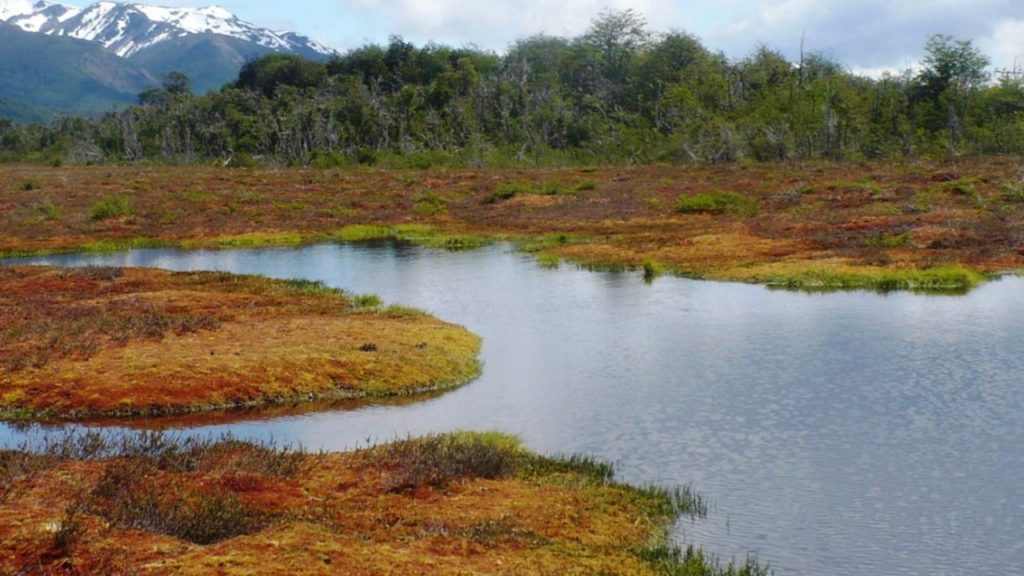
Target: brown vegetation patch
150,506
804,210
87,342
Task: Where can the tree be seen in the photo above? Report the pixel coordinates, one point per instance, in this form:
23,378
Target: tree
953,71
267,73
677,58
176,83
173,85
615,93
616,37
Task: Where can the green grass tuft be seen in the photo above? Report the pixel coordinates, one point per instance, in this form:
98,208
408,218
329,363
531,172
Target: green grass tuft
548,261
47,210
717,202
511,189
652,270
430,203
584,185
363,232
111,206
953,279
675,561
855,186
888,240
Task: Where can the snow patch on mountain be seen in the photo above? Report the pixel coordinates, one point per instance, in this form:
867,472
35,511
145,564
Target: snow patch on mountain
10,8
37,16
127,29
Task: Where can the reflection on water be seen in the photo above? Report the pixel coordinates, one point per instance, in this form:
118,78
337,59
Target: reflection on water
846,433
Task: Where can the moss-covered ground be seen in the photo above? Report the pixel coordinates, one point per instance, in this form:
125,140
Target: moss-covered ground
816,225
452,504
93,342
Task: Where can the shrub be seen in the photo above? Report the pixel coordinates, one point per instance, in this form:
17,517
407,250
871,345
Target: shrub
241,160
157,450
963,186
47,210
324,160
112,206
69,531
13,466
438,460
717,202
507,190
366,301
149,484
430,203
424,160
585,185
1013,191
365,156
550,189
133,495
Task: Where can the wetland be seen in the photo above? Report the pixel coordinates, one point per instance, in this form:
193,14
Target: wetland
838,433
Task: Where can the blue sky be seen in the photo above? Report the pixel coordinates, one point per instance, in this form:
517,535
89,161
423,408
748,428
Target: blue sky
866,35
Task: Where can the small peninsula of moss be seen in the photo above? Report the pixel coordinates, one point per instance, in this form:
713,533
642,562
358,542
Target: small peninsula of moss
79,343
455,504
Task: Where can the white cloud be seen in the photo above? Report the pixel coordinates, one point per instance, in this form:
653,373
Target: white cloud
1005,45
866,35
870,34
495,24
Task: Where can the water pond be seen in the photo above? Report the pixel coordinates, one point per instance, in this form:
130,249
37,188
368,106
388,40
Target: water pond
845,433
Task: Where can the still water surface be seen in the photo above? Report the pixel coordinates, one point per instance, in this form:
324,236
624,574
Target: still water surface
845,434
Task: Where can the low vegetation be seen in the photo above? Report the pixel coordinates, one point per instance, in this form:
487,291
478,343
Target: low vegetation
717,202
510,189
452,504
109,341
807,225
113,206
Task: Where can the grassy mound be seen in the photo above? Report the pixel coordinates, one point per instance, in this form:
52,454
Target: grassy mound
108,341
452,504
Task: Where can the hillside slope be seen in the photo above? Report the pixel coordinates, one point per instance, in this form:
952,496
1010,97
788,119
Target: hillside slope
40,75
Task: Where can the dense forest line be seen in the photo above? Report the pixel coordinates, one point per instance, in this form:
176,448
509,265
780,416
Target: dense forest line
616,94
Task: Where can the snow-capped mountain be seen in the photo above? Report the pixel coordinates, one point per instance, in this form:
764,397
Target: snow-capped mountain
34,16
128,29
59,58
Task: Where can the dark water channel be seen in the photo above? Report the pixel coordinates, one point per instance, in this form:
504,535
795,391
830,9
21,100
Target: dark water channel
847,433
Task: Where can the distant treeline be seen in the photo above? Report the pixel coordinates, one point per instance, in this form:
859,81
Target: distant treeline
616,94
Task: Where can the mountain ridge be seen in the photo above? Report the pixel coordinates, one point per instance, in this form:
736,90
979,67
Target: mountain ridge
41,76
103,55
127,28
